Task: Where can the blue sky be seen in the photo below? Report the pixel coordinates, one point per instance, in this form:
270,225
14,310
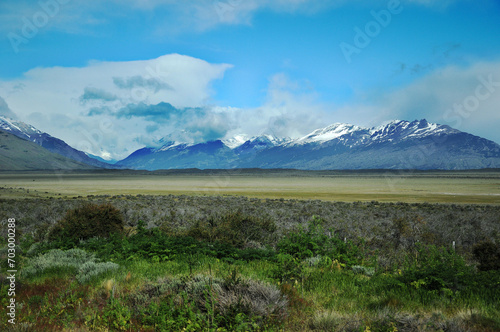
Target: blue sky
109,77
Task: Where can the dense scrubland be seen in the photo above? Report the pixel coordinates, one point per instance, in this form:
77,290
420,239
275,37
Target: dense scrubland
224,263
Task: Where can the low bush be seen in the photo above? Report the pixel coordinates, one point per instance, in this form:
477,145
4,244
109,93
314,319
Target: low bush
288,269
488,256
85,222
233,228
436,269
73,261
314,241
209,302
367,271
91,270
56,260
157,246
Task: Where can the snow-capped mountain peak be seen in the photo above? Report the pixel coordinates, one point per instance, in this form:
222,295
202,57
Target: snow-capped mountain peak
18,128
244,141
399,129
268,139
168,145
329,133
235,141
173,140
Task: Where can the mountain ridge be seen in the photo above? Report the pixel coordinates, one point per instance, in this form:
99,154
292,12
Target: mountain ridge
52,144
17,154
399,144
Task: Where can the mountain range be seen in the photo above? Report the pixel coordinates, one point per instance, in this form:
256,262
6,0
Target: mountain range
398,144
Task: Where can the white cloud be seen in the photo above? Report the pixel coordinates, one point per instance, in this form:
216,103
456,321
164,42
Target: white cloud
5,110
292,109
58,99
465,98
202,15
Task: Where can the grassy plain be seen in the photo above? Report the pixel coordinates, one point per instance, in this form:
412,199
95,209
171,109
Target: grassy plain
215,260
384,186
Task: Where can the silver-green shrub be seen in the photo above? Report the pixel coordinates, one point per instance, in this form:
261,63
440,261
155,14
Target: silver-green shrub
91,270
313,261
367,271
260,298
72,260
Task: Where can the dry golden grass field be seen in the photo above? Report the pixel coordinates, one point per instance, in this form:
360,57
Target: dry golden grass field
394,186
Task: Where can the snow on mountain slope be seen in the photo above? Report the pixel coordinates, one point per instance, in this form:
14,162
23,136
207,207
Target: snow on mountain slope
355,135
18,128
329,133
401,130
235,141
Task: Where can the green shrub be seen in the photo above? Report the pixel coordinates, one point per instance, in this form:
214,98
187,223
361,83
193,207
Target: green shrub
436,269
117,316
172,314
233,228
288,269
85,222
488,256
157,246
307,243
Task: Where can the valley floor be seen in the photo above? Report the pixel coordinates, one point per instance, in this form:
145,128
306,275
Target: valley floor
349,186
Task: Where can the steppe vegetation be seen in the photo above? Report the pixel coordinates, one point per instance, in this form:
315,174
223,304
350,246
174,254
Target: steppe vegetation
228,263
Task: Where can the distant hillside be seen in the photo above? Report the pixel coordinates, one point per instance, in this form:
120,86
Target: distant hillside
17,154
53,144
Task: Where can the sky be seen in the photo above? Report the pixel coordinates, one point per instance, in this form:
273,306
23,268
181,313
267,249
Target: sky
110,77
